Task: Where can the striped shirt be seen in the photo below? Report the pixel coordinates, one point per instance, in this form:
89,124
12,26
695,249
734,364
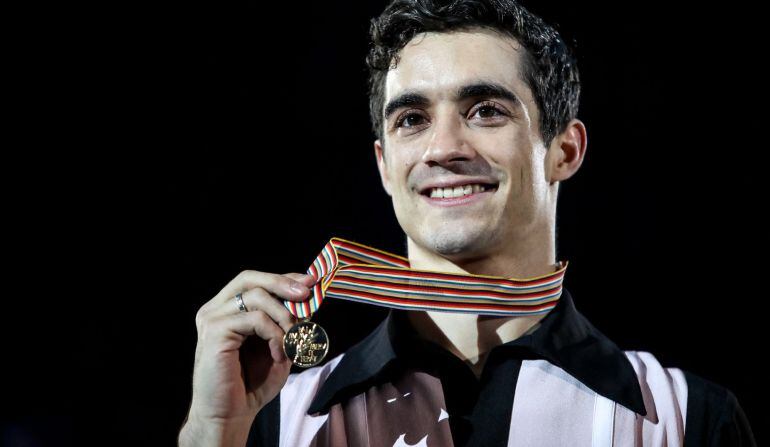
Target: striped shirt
563,383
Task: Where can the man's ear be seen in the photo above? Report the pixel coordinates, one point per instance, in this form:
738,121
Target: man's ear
567,152
378,152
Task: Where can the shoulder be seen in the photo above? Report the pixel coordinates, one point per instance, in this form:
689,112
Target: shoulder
710,413
664,389
714,416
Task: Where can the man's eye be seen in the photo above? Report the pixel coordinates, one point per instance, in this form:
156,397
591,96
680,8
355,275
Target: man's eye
490,110
485,110
412,119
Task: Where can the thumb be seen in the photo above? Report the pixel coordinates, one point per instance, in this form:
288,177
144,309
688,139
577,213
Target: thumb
302,278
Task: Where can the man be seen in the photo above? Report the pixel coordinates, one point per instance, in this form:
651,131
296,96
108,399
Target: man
474,107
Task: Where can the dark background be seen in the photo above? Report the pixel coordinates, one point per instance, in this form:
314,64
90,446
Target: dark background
153,151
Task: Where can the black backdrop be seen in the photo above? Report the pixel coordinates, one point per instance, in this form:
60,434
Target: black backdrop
157,150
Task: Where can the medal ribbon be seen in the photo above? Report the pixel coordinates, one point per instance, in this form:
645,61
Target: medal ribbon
354,272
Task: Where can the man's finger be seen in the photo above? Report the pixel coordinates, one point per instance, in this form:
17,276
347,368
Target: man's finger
279,285
235,328
303,278
258,299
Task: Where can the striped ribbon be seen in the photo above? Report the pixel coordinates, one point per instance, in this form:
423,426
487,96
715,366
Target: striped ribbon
354,272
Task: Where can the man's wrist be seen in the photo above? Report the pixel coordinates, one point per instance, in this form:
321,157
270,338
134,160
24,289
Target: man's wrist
196,432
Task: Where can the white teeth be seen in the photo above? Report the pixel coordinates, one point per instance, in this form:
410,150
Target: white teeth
457,191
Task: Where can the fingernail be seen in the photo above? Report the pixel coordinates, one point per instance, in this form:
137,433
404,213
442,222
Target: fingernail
297,287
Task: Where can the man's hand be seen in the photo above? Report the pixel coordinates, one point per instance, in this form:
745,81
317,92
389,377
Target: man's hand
240,365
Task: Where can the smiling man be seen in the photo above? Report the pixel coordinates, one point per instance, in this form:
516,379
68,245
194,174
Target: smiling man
473,185
474,107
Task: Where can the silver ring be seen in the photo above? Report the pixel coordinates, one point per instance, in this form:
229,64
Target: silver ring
239,302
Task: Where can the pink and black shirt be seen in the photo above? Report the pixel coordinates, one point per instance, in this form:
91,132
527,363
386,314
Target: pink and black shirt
562,384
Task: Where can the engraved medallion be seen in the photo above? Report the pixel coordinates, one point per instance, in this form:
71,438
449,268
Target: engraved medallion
306,344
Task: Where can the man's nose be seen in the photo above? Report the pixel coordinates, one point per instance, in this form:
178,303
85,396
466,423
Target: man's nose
448,143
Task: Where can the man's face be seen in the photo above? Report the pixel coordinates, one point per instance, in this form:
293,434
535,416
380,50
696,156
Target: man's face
464,164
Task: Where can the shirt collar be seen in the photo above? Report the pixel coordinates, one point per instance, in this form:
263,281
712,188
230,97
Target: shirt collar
564,337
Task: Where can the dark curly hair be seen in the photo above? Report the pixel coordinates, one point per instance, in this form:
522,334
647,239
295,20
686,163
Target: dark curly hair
549,66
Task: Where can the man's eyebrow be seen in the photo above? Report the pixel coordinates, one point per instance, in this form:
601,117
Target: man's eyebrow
406,99
487,89
479,89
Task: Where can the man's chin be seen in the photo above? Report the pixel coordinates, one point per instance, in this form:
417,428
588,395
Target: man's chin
453,243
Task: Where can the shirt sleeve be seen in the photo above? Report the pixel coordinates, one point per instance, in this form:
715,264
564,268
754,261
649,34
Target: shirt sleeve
267,425
714,416
733,427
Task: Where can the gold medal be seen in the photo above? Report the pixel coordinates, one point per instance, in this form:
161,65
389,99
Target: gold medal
306,344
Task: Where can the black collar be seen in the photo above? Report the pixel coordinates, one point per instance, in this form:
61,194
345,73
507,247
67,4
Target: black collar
565,338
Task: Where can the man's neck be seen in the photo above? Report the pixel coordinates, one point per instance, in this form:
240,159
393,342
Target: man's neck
471,337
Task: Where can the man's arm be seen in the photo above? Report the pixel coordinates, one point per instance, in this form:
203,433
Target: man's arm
735,428
714,416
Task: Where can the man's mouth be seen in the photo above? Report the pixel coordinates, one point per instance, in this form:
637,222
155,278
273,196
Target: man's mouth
452,192
458,187
457,191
